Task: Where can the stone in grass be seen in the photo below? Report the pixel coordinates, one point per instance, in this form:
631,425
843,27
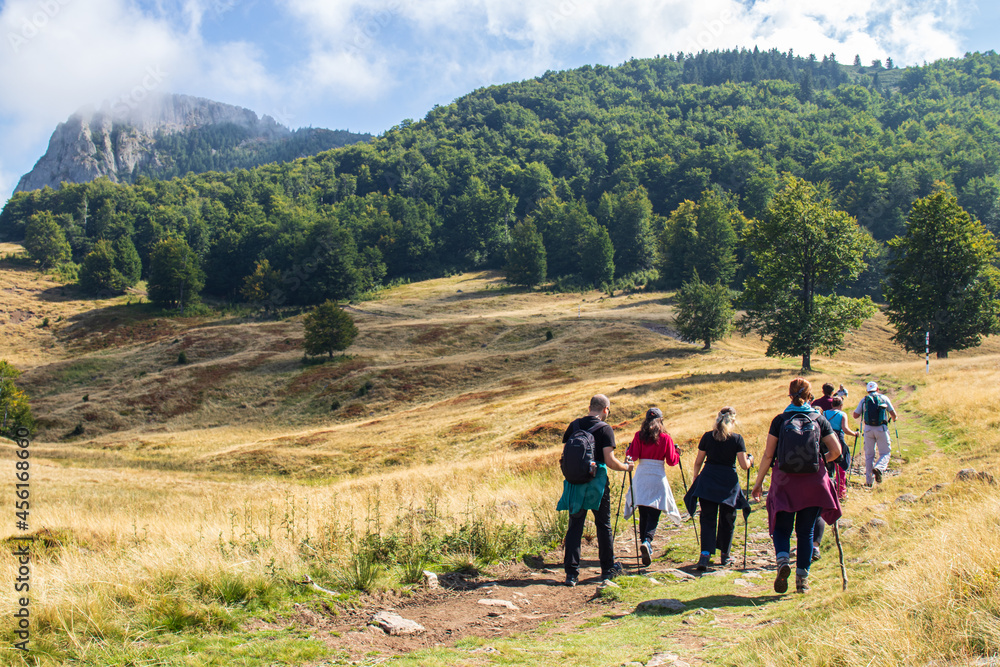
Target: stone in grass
907,498
500,603
394,624
607,583
679,574
661,606
970,475
431,580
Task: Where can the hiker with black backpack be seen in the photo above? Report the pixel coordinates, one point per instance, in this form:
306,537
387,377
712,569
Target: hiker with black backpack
588,452
652,449
875,409
801,489
718,488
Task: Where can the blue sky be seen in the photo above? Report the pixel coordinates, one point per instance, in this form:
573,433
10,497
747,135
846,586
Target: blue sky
365,65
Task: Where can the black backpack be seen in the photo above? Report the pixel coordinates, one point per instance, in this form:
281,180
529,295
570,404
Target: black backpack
799,443
876,412
578,463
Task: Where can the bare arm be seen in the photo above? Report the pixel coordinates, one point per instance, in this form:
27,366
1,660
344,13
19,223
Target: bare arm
612,461
745,460
698,461
832,446
765,465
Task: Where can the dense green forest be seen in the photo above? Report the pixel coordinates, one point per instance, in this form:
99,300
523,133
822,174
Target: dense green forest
596,162
228,146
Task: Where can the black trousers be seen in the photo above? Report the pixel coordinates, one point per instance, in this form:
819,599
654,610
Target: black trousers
605,544
717,525
649,517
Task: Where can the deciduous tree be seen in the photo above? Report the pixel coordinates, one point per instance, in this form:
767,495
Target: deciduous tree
45,240
943,278
526,263
704,312
804,250
327,329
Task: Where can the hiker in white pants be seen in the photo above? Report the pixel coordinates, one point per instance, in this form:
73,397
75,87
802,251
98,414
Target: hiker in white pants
874,411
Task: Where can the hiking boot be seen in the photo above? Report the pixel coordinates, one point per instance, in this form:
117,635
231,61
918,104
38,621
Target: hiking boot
801,584
572,580
644,550
616,571
781,577
878,475
724,558
816,554
703,563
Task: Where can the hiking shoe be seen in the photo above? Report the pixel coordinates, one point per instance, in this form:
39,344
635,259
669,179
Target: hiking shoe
572,580
781,578
703,563
616,571
724,558
816,554
644,550
878,475
801,584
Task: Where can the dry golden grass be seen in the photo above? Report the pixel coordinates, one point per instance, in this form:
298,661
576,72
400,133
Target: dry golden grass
236,463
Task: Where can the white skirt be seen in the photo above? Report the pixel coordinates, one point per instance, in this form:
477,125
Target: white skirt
651,489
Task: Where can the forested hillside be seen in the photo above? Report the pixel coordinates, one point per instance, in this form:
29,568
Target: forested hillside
593,161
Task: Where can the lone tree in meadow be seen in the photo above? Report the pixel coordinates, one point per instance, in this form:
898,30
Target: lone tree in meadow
804,249
942,278
328,329
704,312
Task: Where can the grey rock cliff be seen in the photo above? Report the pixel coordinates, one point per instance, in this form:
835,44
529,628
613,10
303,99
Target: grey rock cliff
116,141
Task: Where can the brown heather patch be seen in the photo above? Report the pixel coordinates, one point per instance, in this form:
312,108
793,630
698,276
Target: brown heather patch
182,390
546,434
437,334
465,428
321,376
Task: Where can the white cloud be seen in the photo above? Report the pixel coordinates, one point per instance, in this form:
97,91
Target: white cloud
486,32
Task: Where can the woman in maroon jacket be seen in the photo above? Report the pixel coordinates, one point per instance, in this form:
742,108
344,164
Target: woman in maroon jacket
650,491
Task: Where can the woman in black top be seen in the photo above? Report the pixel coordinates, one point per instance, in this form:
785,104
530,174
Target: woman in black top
718,486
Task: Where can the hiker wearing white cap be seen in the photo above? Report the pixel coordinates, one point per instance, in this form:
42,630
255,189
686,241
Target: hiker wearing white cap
875,409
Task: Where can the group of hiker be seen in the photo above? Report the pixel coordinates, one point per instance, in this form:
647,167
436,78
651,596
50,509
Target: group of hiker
806,454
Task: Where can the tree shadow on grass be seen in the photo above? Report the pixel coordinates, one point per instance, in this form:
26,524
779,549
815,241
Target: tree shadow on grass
713,602
741,375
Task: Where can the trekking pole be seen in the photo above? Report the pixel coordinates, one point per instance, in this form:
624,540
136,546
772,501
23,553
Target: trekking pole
746,524
896,428
680,464
635,527
621,495
840,553
854,454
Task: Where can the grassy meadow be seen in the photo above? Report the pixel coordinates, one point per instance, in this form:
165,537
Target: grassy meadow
175,505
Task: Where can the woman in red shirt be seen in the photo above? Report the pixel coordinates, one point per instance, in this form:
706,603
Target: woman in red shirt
651,448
